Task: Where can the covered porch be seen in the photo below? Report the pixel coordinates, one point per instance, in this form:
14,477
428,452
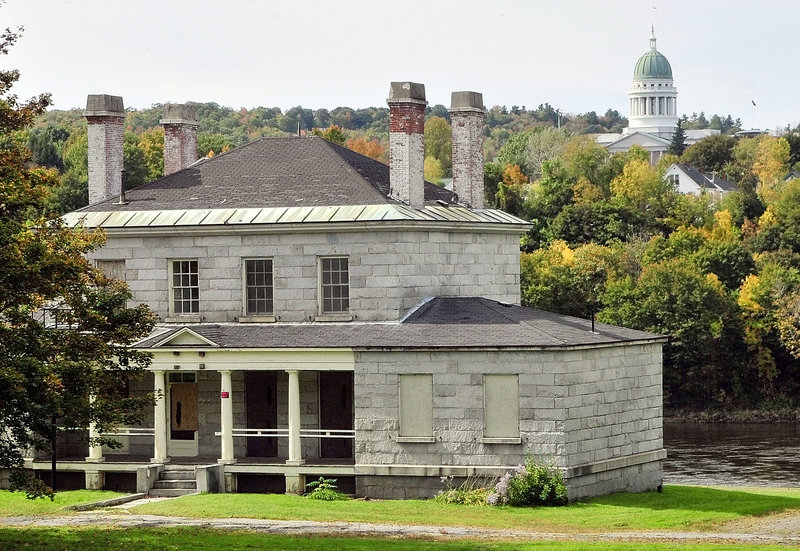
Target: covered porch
285,412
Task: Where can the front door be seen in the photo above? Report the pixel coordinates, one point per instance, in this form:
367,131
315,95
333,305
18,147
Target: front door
336,412
182,415
261,406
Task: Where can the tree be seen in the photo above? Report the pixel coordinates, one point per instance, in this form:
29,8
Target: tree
433,170
333,134
47,373
710,154
438,142
371,148
678,144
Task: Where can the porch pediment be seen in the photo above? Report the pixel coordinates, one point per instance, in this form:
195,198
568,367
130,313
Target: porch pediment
184,337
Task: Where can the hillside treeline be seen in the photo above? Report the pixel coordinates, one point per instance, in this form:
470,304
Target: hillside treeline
612,238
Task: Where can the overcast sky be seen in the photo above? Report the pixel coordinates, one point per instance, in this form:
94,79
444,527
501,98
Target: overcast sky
578,55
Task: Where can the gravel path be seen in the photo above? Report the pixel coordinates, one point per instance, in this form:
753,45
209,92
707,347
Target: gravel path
778,529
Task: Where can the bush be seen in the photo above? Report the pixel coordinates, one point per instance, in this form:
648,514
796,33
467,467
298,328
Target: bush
469,492
531,484
324,489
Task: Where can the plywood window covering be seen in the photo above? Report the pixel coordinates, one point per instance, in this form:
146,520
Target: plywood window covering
416,405
258,286
335,284
185,287
501,406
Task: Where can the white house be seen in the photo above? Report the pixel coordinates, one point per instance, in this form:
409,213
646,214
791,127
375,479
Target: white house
323,314
688,179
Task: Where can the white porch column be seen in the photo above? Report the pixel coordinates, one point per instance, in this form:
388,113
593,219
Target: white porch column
160,418
226,417
294,419
95,452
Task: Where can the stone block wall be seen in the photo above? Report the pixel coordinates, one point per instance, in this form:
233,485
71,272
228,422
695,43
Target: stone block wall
593,412
390,271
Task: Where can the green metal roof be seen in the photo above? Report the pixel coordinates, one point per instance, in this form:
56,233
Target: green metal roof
652,65
284,215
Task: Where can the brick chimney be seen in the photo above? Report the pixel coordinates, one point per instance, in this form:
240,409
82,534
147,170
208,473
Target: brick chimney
105,115
406,153
466,114
180,137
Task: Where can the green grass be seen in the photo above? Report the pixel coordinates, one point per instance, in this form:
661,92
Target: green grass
687,508
141,539
15,503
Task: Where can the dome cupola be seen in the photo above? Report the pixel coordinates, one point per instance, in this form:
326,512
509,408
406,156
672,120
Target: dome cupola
652,64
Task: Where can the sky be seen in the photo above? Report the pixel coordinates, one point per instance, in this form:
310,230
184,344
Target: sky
578,55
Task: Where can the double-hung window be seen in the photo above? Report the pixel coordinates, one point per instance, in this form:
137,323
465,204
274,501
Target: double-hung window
185,287
334,285
258,287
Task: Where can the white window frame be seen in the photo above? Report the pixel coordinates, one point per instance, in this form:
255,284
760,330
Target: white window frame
182,316
415,410
257,316
322,313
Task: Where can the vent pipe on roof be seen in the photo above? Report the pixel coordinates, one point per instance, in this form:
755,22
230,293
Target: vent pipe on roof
105,116
180,136
466,114
406,152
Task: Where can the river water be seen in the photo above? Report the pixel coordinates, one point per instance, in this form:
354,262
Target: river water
732,454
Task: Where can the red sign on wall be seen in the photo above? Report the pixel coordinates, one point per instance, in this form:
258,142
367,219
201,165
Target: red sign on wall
224,394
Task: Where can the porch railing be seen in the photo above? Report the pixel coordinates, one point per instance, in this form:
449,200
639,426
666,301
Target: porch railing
284,433
131,431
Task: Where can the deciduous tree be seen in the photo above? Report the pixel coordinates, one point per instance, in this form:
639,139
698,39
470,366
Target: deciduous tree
48,373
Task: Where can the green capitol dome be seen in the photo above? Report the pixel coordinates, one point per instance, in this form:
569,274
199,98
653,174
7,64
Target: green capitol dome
652,65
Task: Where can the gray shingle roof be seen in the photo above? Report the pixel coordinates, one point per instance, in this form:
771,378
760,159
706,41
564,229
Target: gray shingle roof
271,172
441,323
704,181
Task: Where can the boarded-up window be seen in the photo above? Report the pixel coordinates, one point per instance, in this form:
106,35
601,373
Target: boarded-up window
416,406
114,269
501,406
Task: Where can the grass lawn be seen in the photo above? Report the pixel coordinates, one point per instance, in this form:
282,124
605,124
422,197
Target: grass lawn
15,503
687,508
92,539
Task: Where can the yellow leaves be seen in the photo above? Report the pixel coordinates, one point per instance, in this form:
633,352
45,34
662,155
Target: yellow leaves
771,166
636,184
769,218
749,294
432,169
370,148
724,229
562,249
585,192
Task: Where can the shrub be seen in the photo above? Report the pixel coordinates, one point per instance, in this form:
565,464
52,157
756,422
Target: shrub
531,484
469,492
324,489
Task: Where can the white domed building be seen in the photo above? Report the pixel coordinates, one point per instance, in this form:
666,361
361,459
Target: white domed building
653,111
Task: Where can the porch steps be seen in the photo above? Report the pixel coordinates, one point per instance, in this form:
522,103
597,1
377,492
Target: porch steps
174,481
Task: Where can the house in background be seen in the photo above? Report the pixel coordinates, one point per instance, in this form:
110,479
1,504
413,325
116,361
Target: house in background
688,179
323,314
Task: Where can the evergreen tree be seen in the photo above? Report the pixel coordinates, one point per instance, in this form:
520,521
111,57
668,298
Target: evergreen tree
678,144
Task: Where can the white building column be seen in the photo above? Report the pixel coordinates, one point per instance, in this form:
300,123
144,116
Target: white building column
160,418
95,451
226,418
294,419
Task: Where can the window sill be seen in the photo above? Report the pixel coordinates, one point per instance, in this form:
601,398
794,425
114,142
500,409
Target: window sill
416,439
257,319
191,318
487,440
346,316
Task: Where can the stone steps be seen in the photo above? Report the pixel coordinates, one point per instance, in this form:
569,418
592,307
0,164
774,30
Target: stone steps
175,481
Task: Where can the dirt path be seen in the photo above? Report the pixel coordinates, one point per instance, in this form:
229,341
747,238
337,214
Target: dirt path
777,529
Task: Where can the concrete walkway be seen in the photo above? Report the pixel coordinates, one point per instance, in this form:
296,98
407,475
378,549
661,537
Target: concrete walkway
781,529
